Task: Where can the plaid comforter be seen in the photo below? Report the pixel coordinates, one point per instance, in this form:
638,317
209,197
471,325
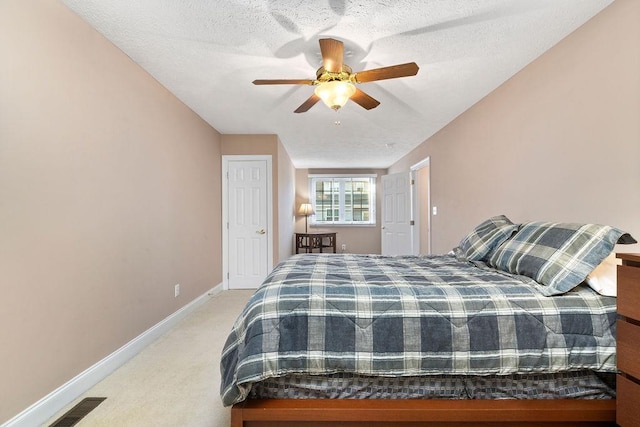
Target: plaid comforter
399,316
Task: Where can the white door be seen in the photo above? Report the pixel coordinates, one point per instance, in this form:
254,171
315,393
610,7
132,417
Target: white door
248,223
421,206
396,214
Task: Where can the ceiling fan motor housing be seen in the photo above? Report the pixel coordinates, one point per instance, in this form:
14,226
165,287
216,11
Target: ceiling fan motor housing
346,75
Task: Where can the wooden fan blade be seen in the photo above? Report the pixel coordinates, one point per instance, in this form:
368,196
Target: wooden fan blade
310,102
392,72
283,82
332,53
364,100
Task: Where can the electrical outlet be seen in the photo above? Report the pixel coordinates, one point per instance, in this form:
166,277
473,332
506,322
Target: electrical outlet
177,290
344,247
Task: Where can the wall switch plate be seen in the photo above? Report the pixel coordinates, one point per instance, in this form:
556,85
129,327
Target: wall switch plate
177,290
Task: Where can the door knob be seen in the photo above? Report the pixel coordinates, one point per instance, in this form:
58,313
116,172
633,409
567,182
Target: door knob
261,231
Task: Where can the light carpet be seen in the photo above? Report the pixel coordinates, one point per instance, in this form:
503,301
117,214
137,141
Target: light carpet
175,381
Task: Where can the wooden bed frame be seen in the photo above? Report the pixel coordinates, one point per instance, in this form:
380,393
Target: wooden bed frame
423,413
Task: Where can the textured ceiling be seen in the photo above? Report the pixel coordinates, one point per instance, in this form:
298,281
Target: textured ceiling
208,52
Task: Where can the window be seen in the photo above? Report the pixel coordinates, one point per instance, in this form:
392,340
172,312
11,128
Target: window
343,200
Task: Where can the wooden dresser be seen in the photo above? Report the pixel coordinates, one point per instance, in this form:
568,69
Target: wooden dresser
628,338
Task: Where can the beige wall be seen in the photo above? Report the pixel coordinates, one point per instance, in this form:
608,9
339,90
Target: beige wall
560,141
361,239
286,203
109,196
282,172
422,208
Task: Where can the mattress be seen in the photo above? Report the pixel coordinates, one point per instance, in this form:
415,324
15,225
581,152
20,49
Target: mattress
562,385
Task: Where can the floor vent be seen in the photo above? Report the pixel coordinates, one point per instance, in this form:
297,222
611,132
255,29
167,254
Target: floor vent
78,412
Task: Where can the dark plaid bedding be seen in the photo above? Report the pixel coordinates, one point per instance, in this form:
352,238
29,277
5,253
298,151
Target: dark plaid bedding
407,316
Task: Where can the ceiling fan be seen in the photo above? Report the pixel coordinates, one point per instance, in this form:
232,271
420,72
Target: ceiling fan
336,81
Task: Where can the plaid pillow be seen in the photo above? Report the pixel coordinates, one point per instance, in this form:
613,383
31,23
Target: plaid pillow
558,255
483,239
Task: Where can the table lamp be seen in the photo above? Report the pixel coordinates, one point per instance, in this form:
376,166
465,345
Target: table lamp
306,209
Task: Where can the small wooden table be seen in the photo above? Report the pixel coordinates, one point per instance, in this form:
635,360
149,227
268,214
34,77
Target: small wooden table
310,241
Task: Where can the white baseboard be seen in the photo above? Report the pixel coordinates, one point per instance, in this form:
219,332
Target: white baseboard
54,402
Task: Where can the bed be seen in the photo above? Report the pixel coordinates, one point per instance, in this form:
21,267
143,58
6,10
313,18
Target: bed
474,337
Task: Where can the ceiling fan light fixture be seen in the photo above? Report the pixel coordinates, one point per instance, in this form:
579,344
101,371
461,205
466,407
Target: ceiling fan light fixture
335,81
335,93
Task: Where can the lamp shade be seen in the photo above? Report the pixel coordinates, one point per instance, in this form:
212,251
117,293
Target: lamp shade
335,93
306,209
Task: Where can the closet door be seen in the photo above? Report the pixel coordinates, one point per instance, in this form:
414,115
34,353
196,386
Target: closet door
396,214
247,223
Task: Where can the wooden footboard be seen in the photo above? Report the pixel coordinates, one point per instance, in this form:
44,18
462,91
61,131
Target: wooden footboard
418,413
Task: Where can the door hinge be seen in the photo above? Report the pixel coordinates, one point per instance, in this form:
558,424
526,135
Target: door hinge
412,222
413,182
